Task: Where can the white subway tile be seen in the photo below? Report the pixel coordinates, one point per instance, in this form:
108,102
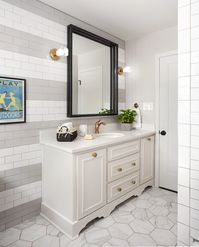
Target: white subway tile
182,3
183,195
194,184
183,177
184,112
184,64
194,203
194,223
184,17
183,214
195,118
194,194
13,158
194,234
195,164
183,157
194,153
195,8
184,88
184,42
183,233
184,135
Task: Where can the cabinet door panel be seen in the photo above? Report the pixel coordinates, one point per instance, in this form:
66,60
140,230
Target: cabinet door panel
91,179
147,159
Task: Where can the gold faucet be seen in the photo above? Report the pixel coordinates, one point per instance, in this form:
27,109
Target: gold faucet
97,126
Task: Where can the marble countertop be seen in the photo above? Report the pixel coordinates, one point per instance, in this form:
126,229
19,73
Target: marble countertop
48,137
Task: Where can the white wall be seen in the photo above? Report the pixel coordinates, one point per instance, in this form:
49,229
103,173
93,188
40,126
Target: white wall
140,56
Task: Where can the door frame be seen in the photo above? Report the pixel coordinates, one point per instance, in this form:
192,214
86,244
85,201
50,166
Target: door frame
157,111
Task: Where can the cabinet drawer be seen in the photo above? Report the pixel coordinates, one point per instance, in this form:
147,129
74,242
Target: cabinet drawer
120,168
122,186
122,150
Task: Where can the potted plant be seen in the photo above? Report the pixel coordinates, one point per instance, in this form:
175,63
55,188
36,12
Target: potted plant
127,117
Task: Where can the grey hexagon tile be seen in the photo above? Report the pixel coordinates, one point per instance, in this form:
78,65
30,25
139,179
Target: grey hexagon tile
164,237
21,243
105,222
127,207
123,218
79,242
173,217
159,211
140,213
141,226
157,201
9,236
51,230
41,221
145,195
141,240
140,203
155,192
117,242
174,229
46,241
25,224
161,222
64,241
33,232
121,231
97,236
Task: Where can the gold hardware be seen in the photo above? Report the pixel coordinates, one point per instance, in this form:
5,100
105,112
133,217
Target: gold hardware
133,182
119,169
120,70
133,164
53,54
149,139
97,126
94,155
119,189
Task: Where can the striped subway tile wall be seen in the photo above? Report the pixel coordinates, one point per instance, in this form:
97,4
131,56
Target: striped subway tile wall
28,30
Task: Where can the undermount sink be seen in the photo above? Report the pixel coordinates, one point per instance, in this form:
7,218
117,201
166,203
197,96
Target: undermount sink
110,135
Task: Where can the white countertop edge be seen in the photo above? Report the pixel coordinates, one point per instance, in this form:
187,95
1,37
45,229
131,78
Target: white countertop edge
81,145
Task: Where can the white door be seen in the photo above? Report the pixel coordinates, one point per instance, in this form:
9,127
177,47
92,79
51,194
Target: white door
168,122
91,180
90,84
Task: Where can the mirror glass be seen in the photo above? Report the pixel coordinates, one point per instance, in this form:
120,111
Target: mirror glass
91,76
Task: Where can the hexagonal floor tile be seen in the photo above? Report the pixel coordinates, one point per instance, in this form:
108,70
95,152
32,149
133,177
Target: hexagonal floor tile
140,203
97,236
117,242
123,218
21,243
41,221
121,231
164,237
141,226
79,242
9,236
51,230
141,240
33,232
47,241
161,222
105,222
140,213
159,210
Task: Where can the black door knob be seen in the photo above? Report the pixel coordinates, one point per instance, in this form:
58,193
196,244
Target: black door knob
163,132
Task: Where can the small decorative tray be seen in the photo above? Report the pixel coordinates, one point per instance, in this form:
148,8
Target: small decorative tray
66,135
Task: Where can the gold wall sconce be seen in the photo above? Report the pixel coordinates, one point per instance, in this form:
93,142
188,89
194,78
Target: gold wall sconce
56,54
122,70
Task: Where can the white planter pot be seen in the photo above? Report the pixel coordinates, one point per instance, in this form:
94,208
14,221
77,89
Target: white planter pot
126,127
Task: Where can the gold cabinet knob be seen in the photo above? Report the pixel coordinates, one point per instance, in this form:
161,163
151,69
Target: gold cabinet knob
149,139
119,169
94,155
119,189
133,182
134,164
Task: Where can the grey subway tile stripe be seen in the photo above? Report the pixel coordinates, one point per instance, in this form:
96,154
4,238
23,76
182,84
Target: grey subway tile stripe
50,13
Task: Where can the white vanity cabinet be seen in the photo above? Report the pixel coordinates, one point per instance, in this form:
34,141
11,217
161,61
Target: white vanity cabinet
147,157
91,181
84,180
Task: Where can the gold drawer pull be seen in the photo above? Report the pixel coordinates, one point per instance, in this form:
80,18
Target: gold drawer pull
94,155
119,189
149,139
133,182
119,169
134,164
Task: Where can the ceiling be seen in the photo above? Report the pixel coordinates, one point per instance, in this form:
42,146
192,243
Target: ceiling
125,19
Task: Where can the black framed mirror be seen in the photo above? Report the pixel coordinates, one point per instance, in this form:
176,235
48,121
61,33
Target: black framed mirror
92,88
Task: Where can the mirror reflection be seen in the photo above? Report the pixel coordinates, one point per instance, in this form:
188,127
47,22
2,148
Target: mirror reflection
91,76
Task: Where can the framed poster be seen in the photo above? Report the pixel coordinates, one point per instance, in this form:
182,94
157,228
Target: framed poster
12,100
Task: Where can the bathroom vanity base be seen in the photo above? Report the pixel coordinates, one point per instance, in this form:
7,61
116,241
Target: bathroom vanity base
72,229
